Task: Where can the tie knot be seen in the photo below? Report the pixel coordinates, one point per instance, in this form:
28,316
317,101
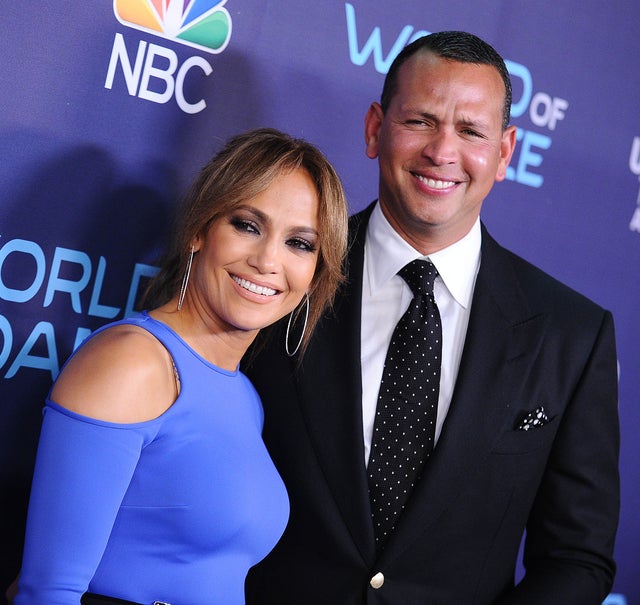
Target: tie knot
420,275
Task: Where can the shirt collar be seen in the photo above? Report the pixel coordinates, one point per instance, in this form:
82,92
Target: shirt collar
387,253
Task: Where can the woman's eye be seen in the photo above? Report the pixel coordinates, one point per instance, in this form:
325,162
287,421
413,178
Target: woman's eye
244,225
301,244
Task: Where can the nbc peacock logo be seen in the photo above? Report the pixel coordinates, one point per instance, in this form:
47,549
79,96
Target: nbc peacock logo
202,24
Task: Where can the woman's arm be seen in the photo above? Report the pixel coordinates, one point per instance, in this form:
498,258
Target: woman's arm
105,401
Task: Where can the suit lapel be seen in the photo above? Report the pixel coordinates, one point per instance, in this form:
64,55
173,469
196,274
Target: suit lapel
331,398
501,336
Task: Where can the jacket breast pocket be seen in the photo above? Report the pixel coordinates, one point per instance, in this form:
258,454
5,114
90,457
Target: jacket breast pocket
523,442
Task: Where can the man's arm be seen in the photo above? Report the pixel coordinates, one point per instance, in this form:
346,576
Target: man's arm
571,530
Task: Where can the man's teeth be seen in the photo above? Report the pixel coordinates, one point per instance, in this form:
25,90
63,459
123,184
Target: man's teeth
247,285
436,184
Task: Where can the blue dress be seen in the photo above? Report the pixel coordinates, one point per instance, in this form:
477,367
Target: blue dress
175,509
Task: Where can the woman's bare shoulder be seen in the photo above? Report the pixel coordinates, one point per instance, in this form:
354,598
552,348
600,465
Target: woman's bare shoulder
123,374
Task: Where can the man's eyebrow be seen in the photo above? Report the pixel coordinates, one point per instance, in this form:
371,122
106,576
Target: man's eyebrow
473,122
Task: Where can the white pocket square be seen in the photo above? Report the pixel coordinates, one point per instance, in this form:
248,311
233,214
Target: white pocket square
533,419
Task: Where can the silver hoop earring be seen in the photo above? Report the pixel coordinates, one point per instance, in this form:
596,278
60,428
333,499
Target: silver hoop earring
185,279
304,327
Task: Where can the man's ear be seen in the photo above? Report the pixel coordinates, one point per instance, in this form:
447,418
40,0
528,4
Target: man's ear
507,147
372,125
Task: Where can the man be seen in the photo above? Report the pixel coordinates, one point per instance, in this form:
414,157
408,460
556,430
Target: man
526,433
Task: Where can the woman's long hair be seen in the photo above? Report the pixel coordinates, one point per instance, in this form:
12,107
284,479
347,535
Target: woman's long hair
245,167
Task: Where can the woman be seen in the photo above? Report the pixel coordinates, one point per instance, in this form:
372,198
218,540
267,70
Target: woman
152,483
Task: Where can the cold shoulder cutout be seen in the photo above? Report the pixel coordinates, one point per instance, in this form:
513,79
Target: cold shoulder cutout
175,509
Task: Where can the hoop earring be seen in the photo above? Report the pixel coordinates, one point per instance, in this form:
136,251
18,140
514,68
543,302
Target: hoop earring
185,279
304,327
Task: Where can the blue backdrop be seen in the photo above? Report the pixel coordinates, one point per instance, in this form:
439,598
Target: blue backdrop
108,109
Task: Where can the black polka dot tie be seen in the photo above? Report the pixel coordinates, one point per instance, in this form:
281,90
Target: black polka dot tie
407,407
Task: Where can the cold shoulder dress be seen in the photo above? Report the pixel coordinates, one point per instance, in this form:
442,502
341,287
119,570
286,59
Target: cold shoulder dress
176,509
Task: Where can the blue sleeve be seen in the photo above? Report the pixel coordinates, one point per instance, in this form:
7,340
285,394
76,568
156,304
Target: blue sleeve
83,469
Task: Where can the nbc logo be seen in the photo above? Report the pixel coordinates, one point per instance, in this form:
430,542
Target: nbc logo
202,24
153,72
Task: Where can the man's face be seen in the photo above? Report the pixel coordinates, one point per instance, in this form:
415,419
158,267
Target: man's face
440,147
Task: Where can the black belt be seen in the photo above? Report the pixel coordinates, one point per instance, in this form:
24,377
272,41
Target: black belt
90,598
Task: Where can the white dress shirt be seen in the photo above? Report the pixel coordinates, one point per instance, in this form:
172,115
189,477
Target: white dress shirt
386,296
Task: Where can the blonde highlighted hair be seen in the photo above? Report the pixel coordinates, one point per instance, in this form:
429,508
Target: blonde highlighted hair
243,168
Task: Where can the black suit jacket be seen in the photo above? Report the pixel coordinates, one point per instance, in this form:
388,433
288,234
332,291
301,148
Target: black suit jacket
531,342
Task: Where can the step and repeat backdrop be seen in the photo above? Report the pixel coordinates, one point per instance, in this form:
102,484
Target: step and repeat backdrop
109,108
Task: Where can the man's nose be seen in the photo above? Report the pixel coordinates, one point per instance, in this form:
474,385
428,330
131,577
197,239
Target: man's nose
441,146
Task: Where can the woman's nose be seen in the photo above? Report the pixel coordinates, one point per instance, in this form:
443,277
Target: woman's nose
266,256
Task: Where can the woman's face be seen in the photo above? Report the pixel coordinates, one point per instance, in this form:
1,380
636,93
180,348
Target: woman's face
254,265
